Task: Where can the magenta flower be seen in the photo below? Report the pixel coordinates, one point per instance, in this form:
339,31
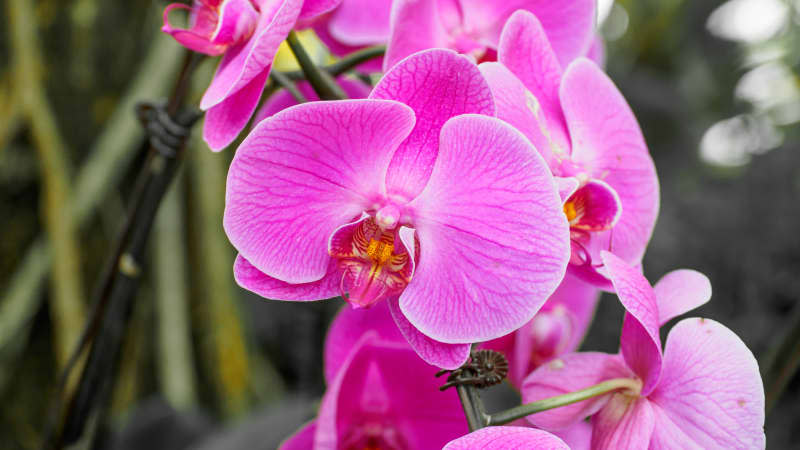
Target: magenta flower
473,26
380,394
247,34
584,129
452,219
353,25
704,391
507,438
558,328
283,99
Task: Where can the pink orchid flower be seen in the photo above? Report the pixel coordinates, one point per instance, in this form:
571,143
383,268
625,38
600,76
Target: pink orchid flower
353,25
507,438
283,99
410,197
247,34
380,394
558,328
473,26
585,130
703,391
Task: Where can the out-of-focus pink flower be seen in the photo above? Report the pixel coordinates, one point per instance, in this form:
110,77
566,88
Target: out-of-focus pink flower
380,394
247,34
704,391
450,217
355,24
557,328
473,26
283,99
507,438
582,126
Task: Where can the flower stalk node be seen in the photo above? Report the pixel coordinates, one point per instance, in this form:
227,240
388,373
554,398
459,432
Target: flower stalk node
167,134
484,369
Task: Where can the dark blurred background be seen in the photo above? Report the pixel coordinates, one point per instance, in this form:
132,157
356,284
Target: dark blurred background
206,365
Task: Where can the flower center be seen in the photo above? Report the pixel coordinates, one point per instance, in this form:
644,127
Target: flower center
373,435
375,263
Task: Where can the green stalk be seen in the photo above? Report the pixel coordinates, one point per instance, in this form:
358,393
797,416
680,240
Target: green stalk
324,84
527,409
67,306
174,337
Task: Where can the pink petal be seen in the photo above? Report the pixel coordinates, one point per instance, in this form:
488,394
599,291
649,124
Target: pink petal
570,26
507,438
578,436
237,19
710,394
566,187
597,52
347,328
566,316
361,22
640,343
595,205
386,383
681,291
304,172
438,85
493,237
225,120
569,373
340,49
624,422
195,38
283,99
414,26
446,356
526,52
607,142
303,439
243,63
313,8
256,281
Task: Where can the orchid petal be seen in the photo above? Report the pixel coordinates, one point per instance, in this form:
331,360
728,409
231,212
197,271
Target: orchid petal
313,8
438,85
414,26
241,64
195,38
493,237
597,52
578,436
301,174
570,373
361,22
569,25
507,438
252,279
568,313
283,99
595,206
303,439
445,356
424,416
225,120
710,394
681,291
526,52
640,343
347,328
624,422
566,187
608,144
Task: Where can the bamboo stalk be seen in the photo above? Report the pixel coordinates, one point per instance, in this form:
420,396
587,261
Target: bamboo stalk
108,158
225,345
67,307
174,341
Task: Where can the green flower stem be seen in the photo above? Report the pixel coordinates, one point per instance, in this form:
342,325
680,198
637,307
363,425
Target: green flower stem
527,409
322,82
345,64
284,82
